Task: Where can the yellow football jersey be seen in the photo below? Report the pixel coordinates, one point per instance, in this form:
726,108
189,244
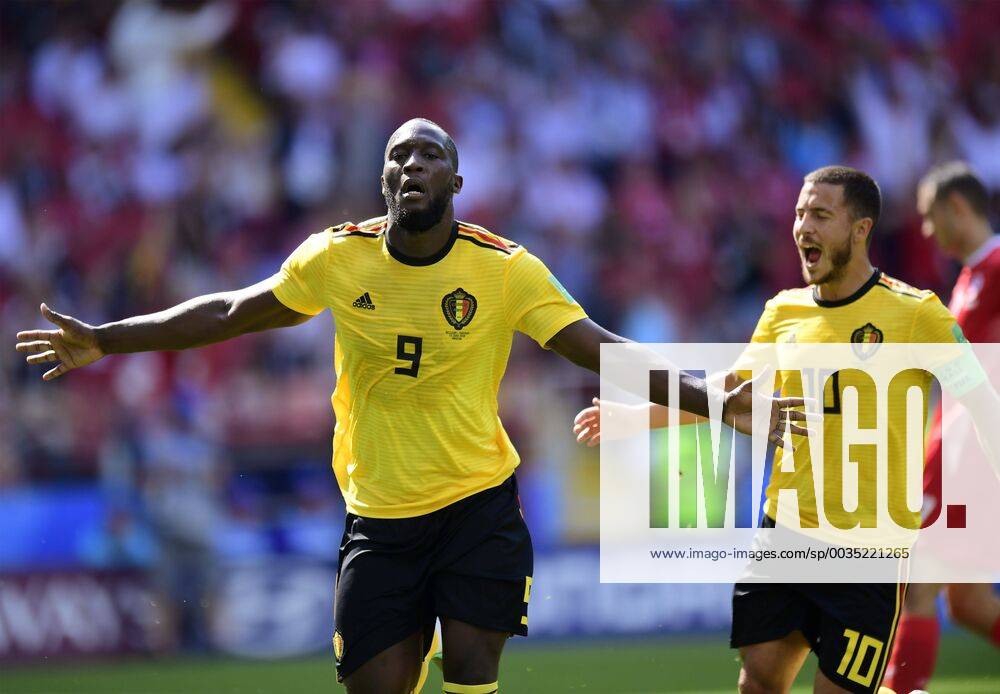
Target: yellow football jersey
883,310
420,347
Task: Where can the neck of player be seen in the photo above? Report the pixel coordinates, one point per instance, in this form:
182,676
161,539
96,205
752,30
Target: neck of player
854,276
978,235
421,244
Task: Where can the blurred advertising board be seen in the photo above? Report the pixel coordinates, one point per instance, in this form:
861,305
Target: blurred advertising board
277,609
283,608
568,600
80,614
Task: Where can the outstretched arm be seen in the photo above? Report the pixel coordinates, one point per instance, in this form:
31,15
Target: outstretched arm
580,342
201,321
587,424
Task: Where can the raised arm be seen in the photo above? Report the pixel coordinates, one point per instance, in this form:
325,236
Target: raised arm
201,321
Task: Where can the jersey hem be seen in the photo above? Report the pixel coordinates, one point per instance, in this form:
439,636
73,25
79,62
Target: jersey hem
387,512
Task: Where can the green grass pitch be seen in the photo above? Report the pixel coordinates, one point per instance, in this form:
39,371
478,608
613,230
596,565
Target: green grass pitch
704,665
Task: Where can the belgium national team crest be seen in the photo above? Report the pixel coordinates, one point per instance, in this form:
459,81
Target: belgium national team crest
459,307
865,340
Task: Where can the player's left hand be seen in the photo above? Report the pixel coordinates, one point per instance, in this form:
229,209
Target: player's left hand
737,412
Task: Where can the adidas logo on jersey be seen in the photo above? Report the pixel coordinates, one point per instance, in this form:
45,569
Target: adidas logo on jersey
364,301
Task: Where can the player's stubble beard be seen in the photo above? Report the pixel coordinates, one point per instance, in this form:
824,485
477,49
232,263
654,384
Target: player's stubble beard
840,258
418,221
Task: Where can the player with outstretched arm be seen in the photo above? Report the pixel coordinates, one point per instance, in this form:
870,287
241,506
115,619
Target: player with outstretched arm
426,307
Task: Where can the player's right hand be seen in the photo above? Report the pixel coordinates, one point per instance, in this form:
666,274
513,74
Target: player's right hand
73,345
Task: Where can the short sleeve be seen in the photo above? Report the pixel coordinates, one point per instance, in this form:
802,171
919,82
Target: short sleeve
300,284
954,362
934,323
535,303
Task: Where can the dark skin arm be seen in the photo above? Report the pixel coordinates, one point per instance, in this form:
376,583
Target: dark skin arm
197,322
580,343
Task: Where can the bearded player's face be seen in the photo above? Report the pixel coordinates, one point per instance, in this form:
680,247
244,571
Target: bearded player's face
822,232
418,179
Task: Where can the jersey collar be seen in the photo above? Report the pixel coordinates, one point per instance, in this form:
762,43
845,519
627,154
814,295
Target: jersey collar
429,260
979,255
862,290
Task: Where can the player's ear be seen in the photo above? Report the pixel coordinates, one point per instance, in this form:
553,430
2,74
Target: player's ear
957,204
863,228
457,185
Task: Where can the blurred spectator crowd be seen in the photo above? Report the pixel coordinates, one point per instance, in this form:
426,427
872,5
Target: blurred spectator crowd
649,152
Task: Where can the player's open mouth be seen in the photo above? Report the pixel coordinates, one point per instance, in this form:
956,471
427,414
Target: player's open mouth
412,190
811,255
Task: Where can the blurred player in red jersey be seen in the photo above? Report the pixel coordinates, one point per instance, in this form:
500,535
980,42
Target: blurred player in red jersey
955,206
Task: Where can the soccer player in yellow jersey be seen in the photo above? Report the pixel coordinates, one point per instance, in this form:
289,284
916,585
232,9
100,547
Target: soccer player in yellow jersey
425,307
775,625
846,300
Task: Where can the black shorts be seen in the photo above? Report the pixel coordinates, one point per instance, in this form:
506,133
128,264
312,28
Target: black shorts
471,561
850,626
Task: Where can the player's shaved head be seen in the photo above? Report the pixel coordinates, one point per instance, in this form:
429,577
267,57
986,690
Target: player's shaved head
423,124
420,176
